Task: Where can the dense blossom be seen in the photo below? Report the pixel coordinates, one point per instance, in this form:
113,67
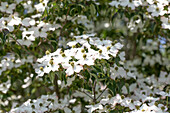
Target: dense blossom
84,56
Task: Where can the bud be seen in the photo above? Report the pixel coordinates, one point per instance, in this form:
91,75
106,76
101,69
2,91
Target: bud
51,62
7,6
47,52
84,56
72,64
43,4
33,106
127,70
116,68
100,51
110,96
63,55
41,68
157,9
108,47
73,46
163,108
143,110
40,104
151,95
122,97
82,50
156,104
137,107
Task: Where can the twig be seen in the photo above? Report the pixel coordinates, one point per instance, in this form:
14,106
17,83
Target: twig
101,93
86,94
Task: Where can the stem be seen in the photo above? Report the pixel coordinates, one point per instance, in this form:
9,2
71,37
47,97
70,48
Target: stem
56,88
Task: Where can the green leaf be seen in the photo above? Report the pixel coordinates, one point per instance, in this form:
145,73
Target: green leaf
112,87
51,76
92,9
95,76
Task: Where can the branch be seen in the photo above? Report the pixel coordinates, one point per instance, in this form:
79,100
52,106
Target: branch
56,88
61,31
94,99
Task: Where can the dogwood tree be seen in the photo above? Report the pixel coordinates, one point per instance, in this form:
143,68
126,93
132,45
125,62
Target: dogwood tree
78,56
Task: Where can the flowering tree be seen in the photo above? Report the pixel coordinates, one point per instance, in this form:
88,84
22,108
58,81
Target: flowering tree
65,56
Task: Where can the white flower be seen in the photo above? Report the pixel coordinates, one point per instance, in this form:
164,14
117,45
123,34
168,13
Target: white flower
164,77
38,32
72,67
134,25
41,6
5,86
156,10
122,56
67,110
117,72
118,45
4,24
28,6
114,3
94,107
24,42
164,94
28,21
8,8
14,20
28,35
51,66
77,109
101,55
165,22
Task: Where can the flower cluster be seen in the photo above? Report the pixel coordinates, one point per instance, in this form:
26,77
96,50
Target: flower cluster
9,62
48,103
154,8
73,59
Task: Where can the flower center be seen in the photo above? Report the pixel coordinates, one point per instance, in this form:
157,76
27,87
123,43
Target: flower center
51,62
82,50
47,52
7,6
63,55
84,56
100,51
108,48
41,68
72,64
157,9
